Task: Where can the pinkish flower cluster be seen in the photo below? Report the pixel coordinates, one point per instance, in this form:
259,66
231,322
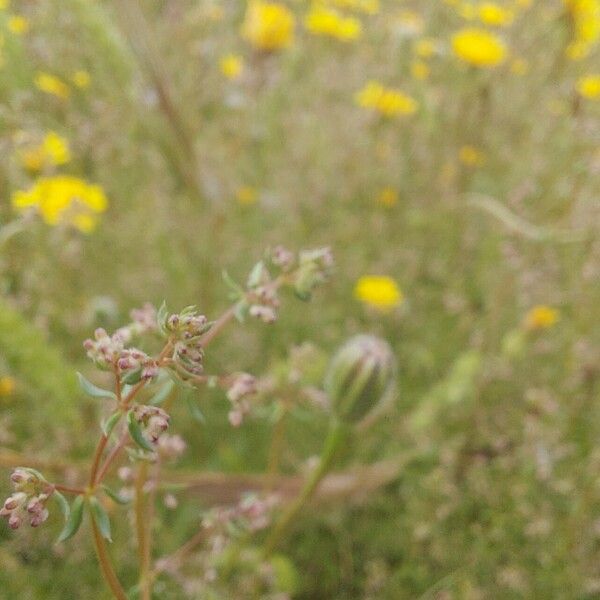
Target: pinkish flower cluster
153,421
170,447
252,513
262,295
243,385
28,501
143,320
105,350
132,359
187,329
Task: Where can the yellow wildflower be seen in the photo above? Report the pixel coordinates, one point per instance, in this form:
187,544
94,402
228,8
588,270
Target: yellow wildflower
495,15
18,25
53,151
419,70
479,47
3,4
246,195
426,47
589,87
387,101
585,19
541,317
378,291
387,197
7,385
268,25
231,65
81,79
324,21
63,200
50,84
471,156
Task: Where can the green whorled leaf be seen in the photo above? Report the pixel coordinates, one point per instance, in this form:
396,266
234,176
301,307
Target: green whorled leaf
93,390
161,318
100,516
62,502
257,275
135,431
73,522
114,496
236,291
109,424
163,393
241,310
196,413
133,377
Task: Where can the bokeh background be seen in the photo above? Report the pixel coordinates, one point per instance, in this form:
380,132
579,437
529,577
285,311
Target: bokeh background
447,151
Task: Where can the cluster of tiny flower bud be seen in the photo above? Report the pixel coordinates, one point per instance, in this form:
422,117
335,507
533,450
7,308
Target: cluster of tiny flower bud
170,447
187,328
251,514
242,386
262,295
143,320
283,258
153,421
28,501
105,350
132,359
314,268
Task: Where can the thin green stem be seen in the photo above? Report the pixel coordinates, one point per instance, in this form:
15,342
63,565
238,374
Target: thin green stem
337,433
106,565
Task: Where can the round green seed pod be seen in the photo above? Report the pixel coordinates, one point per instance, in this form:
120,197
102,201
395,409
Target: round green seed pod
361,376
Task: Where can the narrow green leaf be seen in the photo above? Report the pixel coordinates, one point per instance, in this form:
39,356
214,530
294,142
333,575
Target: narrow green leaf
109,424
161,318
196,413
237,291
163,393
114,496
33,472
132,377
100,516
257,274
135,432
93,390
73,522
64,505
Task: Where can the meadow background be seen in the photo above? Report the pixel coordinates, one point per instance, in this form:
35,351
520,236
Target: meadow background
472,188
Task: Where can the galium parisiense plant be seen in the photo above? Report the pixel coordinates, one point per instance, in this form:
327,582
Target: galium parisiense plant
360,377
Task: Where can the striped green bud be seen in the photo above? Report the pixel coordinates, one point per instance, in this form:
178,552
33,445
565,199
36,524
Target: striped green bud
361,376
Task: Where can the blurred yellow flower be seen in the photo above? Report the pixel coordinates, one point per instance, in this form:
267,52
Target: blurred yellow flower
386,101
50,84
81,79
369,7
387,197
541,317
53,151
231,65
268,25
3,4
63,200
479,47
589,87
419,69
378,291
246,195
471,156
426,47
519,66
7,385
18,25
585,19
324,21
495,15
